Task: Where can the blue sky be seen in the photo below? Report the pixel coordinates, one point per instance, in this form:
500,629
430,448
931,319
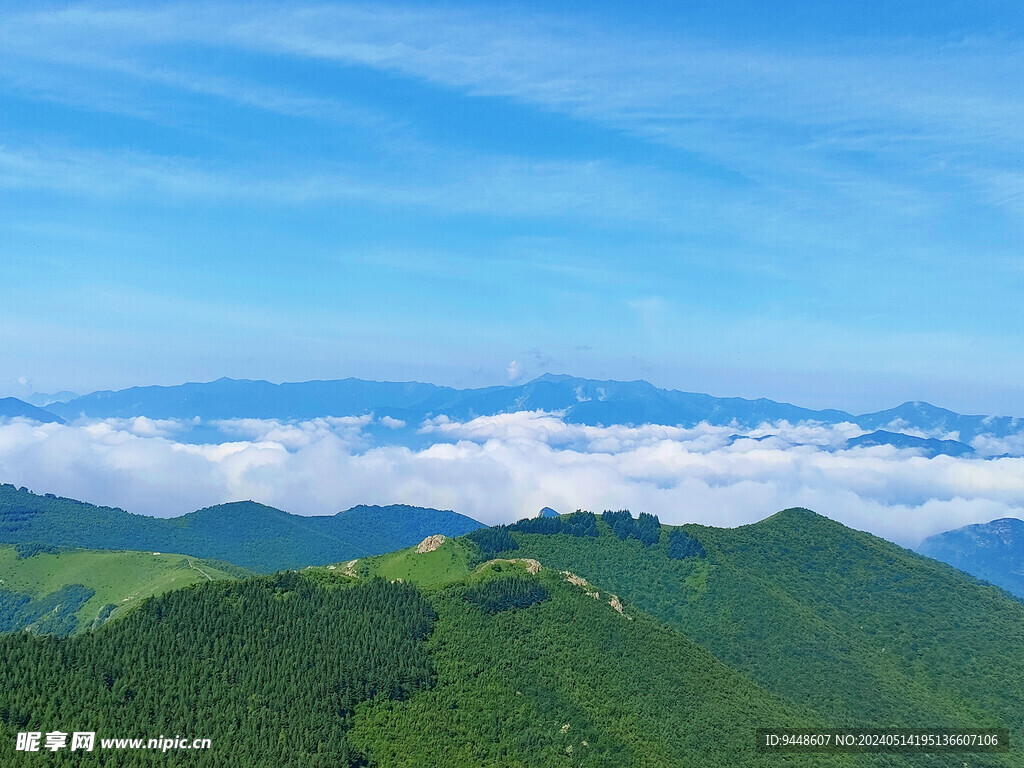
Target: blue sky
814,202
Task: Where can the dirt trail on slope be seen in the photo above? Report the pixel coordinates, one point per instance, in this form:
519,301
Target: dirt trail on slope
195,568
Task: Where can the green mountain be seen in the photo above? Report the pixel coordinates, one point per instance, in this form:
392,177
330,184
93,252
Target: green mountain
530,670
431,563
992,551
503,668
270,669
54,591
578,640
245,533
846,625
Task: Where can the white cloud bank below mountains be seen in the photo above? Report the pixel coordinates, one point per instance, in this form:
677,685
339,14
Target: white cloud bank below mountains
500,468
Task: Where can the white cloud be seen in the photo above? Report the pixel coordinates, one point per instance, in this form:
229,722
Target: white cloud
500,468
514,371
140,426
391,423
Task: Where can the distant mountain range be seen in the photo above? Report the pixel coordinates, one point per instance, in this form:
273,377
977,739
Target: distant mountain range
992,551
928,446
583,401
12,407
245,533
43,399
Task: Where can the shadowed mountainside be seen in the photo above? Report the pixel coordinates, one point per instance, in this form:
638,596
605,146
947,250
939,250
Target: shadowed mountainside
246,533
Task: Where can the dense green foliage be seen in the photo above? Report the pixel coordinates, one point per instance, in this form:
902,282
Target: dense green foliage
565,682
53,614
61,590
577,524
682,545
793,621
991,551
493,541
33,548
849,626
812,625
271,669
496,595
646,528
245,533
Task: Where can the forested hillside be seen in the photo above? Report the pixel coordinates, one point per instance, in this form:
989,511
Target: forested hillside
992,551
270,669
509,662
533,671
245,533
319,669
850,626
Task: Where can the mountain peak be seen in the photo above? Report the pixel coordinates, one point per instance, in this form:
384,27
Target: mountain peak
12,407
247,509
796,516
553,377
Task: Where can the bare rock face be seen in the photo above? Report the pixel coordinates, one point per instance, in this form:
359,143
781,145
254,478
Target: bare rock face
579,581
431,543
615,603
532,566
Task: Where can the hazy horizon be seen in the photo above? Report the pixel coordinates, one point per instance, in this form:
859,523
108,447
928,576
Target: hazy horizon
25,390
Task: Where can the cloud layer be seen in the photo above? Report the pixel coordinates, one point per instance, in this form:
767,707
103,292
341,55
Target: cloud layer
501,468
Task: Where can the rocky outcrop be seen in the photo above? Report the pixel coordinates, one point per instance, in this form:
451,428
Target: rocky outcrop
431,543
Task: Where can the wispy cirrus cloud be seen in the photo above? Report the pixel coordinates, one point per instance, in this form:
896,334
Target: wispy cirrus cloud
930,106
505,187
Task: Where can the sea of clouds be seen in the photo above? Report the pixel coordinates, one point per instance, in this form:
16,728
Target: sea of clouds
501,468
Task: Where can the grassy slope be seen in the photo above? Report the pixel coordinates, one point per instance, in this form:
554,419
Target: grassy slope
450,562
850,626
120,578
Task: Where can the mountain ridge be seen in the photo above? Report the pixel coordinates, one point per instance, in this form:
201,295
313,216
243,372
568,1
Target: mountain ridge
874,624
245,533
993,551
12,407
586,401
